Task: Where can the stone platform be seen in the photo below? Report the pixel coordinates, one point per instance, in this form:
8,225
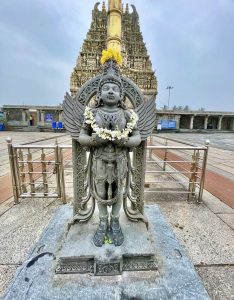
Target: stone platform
174,276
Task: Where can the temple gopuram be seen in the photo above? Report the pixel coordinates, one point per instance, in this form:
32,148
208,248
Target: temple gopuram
136,62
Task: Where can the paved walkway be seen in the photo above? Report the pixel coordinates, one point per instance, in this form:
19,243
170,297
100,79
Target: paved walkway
5,188
221,187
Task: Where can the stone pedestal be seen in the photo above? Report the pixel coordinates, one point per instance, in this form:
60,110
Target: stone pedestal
79,254
173,277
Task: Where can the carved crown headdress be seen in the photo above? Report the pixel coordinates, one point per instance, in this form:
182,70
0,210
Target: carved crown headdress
110,75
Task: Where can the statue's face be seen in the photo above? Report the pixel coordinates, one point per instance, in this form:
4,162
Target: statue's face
110,94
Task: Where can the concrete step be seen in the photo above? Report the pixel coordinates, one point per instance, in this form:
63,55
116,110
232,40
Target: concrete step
23,128
31,129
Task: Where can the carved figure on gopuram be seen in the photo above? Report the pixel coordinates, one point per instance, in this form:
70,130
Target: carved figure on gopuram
109,145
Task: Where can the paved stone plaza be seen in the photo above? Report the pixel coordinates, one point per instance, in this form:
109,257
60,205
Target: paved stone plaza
205,231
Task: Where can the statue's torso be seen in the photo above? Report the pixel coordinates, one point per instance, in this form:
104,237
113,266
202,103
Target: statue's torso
112,121
109,156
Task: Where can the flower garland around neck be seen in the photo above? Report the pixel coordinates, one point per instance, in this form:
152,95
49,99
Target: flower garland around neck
108,134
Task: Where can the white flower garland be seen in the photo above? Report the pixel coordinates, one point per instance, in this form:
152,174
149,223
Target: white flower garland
107,134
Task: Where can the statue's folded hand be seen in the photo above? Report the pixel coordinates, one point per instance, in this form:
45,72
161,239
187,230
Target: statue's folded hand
120,142
98,140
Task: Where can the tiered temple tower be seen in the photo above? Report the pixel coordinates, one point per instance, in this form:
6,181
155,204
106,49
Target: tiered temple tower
136,62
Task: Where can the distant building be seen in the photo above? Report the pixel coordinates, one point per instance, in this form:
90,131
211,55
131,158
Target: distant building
196,120
20,117
17,117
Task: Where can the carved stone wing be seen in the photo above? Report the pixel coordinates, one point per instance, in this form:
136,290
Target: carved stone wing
147,117
73,116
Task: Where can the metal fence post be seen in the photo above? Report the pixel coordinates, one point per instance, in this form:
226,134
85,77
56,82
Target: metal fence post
13,170
193,176
202,182
22,172
57,168
62,180
44,174
30,172
165,157
151,143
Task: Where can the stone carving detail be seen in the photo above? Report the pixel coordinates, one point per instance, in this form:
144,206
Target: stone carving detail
133,93
109,268
77,267
140,265
136,62
87,90
81,192
139,168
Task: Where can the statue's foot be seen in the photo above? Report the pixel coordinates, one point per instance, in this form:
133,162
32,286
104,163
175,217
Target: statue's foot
99,236
117,234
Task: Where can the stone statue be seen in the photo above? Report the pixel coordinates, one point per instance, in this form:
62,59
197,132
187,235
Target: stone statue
109,131
109,154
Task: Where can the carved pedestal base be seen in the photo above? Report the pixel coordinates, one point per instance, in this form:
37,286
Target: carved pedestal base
114,267
79,254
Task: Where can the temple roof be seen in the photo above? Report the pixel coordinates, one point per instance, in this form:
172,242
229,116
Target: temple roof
136,61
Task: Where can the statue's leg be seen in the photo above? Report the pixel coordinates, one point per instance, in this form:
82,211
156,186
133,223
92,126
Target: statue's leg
117,234
99,235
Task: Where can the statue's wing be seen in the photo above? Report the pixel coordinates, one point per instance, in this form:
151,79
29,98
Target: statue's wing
73,115
147,116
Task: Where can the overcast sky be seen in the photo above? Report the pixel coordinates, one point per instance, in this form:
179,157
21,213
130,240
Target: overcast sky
190,42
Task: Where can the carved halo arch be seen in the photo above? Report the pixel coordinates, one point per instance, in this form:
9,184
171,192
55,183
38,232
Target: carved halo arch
89,89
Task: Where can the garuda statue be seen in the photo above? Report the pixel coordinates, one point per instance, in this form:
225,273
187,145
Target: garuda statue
104,132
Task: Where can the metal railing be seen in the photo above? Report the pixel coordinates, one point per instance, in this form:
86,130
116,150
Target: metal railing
40,170
37,171
183,163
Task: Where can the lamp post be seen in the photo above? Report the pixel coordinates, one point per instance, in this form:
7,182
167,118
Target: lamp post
169,90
